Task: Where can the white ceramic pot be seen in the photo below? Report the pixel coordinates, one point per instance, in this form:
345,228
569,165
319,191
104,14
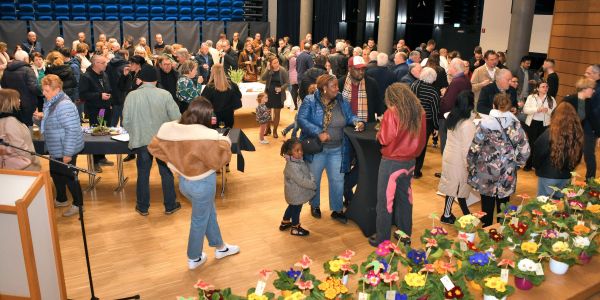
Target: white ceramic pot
488,297
557,267
470,236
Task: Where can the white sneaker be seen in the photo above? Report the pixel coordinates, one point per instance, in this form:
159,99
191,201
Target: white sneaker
192,264
229,250
71,211
264,142
61,204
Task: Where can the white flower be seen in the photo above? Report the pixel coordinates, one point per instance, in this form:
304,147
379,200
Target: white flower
563,235
526,265
542,199
581,242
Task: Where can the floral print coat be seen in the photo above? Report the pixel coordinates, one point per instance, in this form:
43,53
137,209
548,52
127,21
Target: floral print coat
492,159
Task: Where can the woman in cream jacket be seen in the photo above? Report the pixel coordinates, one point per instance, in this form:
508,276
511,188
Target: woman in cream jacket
538,108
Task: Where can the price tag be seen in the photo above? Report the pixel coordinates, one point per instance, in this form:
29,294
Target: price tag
519,208
514,221
504,275
363,296
539,270
260,287
580,223
447,282
463,246
390,295
500,228
428,252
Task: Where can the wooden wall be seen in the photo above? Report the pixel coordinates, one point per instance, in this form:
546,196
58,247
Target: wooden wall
574,40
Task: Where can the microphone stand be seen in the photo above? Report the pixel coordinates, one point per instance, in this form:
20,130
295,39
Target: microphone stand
75,171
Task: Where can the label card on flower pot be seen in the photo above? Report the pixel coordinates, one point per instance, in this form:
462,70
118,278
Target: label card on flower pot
260,287
463,246
514,221
363,296
390,295
539,270
504,275
447,282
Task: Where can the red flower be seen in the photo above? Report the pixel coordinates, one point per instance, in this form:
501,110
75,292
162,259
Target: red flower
203,285
304,263
454,293
304,285
347,255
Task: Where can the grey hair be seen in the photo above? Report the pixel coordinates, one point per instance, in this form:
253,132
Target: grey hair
373,55
457,64
183,52
209,43
22,56
428,75
382,60
412,66
414,53
503,72
596,68
358,51
339,46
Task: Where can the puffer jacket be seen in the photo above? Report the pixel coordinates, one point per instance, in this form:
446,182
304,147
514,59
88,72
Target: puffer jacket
76,67
65,73
61,127
20,76
300,184
310,120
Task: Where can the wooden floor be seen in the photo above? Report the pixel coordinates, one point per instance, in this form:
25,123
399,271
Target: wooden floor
131,254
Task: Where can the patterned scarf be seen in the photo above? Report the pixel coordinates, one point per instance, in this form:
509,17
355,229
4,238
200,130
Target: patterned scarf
363,109
328,112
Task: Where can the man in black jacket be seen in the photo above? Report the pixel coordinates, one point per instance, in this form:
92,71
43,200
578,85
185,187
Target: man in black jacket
311,75
205,62
95,90
20,76
501,85
338,61
228,57
114,71
382,75
167,76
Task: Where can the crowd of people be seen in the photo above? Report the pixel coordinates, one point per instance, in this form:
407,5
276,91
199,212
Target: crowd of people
491,122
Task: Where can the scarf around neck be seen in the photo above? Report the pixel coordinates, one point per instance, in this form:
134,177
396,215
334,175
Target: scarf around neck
363,108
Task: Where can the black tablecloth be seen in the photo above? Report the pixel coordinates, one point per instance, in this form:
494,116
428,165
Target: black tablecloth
106,145
362,207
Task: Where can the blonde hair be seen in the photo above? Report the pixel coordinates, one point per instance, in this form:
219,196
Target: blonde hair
187,67
260,97
3,46
9,100
407,107
52,81
584,83
54,58
218,78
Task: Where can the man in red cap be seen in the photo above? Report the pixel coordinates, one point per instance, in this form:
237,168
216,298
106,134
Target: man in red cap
363,93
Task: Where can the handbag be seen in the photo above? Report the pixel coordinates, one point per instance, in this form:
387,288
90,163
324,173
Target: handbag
311,145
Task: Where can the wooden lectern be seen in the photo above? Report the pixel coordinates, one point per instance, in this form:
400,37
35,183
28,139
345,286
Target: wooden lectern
31,266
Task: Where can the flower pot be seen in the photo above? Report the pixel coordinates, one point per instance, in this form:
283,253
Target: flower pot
423,297
584,259
557,267
470,236
474,285
523,283
489,297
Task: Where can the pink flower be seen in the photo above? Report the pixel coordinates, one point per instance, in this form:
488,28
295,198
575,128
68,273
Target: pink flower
372,278
429,268
431,243
304,263
523,196
394,248
347,268
571,194
479,215
382,251
576,204
264,274
304,285
462,236
537,212
347,255
506,262
203,285
439,230
448,267
389,278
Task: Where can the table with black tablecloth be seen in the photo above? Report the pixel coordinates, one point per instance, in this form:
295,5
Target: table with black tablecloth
107,145
361,209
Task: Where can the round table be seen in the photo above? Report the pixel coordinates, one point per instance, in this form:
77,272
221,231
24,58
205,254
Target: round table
368,154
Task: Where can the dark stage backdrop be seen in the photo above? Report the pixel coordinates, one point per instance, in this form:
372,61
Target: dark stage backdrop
47,31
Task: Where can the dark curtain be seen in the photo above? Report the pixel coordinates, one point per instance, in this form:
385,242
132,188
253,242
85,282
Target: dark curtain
328,15
166,29
110,28
211,30
239,27
13,33
72,28
260,27
290,25
136,29
47,31
189,35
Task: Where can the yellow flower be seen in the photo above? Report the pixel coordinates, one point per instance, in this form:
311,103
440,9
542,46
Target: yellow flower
286,294
560,247
330,293
530,247
254,296
549,208
495,283
415,279
336,265
594,208
295,296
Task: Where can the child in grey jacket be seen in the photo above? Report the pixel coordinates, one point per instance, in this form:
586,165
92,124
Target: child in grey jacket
299,187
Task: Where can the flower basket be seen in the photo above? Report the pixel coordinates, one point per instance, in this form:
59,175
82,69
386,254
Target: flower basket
526,275
583,258
523,283
495,288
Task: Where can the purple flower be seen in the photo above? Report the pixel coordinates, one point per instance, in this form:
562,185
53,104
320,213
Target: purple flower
101,113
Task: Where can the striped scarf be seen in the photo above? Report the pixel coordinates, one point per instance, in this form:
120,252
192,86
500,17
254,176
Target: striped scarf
363,109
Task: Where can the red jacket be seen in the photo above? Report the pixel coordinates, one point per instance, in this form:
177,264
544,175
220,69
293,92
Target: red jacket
399,144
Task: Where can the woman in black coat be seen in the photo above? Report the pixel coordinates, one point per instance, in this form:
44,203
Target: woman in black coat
224,95
277,81
56,65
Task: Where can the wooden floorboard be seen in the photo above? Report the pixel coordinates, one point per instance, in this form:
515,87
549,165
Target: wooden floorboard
131,254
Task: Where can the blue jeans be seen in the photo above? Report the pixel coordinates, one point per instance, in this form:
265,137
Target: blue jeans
144,164
204,215
544,185
329,159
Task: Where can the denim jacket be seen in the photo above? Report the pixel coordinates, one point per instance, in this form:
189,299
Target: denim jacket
310,120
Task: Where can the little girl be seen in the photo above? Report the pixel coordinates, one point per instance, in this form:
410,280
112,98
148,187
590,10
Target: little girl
299,187
263,116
